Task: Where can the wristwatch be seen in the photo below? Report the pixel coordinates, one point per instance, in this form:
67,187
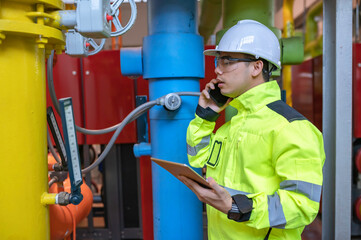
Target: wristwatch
241,208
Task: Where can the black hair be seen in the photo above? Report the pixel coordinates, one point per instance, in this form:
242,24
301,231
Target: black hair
267,67
267,70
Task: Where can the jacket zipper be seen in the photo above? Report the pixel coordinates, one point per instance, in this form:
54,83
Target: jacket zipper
268,233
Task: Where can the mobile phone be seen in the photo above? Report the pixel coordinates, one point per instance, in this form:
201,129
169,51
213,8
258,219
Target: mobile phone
217,96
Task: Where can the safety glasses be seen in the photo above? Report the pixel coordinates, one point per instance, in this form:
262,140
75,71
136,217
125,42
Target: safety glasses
228,64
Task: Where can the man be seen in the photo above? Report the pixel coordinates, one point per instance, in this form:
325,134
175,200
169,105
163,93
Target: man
265,164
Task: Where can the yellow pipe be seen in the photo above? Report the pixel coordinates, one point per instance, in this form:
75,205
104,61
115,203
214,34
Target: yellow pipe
288,31
23,151
48,198
23,140
288,24
54,20
287,83
313,42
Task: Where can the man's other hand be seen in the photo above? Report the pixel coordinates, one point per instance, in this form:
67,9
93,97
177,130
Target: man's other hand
216,197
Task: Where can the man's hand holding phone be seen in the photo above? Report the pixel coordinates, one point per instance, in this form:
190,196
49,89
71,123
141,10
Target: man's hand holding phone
212,97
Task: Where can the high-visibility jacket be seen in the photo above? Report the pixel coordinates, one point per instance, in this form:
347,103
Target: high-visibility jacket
270,153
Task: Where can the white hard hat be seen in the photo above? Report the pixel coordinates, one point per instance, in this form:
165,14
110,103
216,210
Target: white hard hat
250,37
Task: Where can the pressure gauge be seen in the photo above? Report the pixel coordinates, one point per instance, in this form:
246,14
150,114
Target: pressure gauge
172,101
58,139
71,143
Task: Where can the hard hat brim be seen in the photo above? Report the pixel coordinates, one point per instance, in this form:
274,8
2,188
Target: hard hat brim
216,52
211,52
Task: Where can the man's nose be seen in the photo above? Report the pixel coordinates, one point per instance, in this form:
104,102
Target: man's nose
217,70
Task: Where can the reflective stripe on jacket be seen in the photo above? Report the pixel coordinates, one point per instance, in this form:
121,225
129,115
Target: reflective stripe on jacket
269,152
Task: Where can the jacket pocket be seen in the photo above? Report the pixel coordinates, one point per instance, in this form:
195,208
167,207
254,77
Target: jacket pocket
216,152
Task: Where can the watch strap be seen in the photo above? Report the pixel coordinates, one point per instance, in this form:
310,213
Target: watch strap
234,213
245,206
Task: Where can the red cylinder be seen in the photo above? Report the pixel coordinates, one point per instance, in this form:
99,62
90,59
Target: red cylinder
357,208
62,218
358,160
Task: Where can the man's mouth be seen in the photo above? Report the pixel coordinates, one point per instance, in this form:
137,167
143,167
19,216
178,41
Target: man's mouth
220,83
219,80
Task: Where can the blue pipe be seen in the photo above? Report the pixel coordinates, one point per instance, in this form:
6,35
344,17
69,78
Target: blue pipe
172,16
177,213
142,149
173,62
131,62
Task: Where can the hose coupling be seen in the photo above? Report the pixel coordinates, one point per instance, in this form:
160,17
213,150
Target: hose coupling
63,198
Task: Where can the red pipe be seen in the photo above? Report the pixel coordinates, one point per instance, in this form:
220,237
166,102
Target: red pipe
358,160
63,219
357,208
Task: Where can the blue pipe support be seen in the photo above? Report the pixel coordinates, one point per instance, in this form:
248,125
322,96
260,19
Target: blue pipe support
173,62
131,63
142,149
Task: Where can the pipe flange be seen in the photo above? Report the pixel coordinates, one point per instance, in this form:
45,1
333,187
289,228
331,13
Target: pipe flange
172,102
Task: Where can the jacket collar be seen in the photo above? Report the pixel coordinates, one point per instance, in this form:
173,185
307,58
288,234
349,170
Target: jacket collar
257,97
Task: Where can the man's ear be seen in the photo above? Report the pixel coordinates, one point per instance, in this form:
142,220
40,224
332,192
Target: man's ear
257,68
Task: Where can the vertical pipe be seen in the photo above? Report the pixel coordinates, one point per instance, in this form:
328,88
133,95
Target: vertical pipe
172,16
311,23
23,163
259,10
211,12
173,61
288,24
288,31
313,47
337,121
357,21
234,11
177,213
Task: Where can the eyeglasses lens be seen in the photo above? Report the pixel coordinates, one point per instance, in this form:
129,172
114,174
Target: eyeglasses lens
225,65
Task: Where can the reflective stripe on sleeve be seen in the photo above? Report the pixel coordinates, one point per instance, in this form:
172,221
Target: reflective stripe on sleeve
203,143
233,192
310,190
275,212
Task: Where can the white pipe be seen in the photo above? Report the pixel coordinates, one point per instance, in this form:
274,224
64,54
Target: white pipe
111,1
68,1
357,20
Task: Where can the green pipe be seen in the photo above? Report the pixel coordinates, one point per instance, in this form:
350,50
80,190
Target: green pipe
259,10
313,42
236,10
211,11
